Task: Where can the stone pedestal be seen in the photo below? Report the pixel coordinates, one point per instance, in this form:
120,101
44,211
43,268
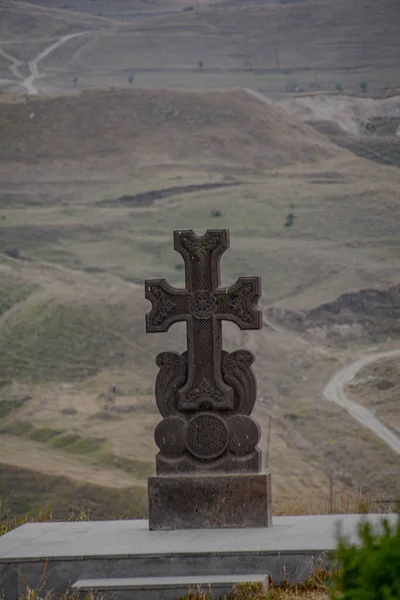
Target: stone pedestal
210,501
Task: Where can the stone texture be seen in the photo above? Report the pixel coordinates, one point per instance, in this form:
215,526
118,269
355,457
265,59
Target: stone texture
205,395
207,501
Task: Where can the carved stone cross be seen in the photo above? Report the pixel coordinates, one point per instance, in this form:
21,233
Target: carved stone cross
203,305
208,466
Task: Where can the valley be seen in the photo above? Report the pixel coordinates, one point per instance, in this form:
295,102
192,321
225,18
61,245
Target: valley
96,172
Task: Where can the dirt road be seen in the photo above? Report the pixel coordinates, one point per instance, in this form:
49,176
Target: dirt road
16,64
334,392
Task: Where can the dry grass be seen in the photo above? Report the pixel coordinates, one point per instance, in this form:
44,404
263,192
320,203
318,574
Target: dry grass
160,126
20,20
270,47
31,494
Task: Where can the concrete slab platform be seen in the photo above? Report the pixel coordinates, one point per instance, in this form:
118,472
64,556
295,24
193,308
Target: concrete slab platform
165,588
62,553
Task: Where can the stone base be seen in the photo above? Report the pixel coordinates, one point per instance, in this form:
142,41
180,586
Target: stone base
210,501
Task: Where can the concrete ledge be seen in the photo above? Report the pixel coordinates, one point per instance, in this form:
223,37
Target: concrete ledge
167,587
62,553
210,501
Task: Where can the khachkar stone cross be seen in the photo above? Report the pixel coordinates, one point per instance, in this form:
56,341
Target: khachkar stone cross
208,466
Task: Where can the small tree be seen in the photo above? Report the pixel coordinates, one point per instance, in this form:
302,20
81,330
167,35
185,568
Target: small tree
75,80
339,87
364,86
289,220
200,64
131,78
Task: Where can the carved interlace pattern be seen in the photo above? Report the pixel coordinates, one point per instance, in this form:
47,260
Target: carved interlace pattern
207,436
204,390
239,303
200,248
163,308
202,304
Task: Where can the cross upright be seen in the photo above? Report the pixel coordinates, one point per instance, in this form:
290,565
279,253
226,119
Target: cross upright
203,305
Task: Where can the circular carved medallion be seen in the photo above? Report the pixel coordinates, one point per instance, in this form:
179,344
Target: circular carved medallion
170,436
244,434
202,304
206,436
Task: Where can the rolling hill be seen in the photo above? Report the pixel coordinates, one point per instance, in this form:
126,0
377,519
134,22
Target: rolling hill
150,127
92,187
92,184
20,21
272,47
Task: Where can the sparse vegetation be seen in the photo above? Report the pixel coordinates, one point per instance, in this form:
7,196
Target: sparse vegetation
12,291
364,87
13,252
289,220
27,493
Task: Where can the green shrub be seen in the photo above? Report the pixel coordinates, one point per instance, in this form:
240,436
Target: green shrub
371,570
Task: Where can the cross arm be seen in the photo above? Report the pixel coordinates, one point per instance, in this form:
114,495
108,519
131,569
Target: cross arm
169,305
238,303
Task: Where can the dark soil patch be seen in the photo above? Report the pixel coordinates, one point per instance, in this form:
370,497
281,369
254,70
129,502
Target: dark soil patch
148,198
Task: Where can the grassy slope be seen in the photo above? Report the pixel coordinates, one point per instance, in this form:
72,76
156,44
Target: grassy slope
24,490
163,126
81,329
317,41
271,47
20,21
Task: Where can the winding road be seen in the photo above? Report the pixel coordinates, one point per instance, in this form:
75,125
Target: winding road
334,392
16,64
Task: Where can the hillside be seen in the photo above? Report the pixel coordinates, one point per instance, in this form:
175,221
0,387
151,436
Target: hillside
21,21
370,313
220,128
272,47
92,187
315,34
